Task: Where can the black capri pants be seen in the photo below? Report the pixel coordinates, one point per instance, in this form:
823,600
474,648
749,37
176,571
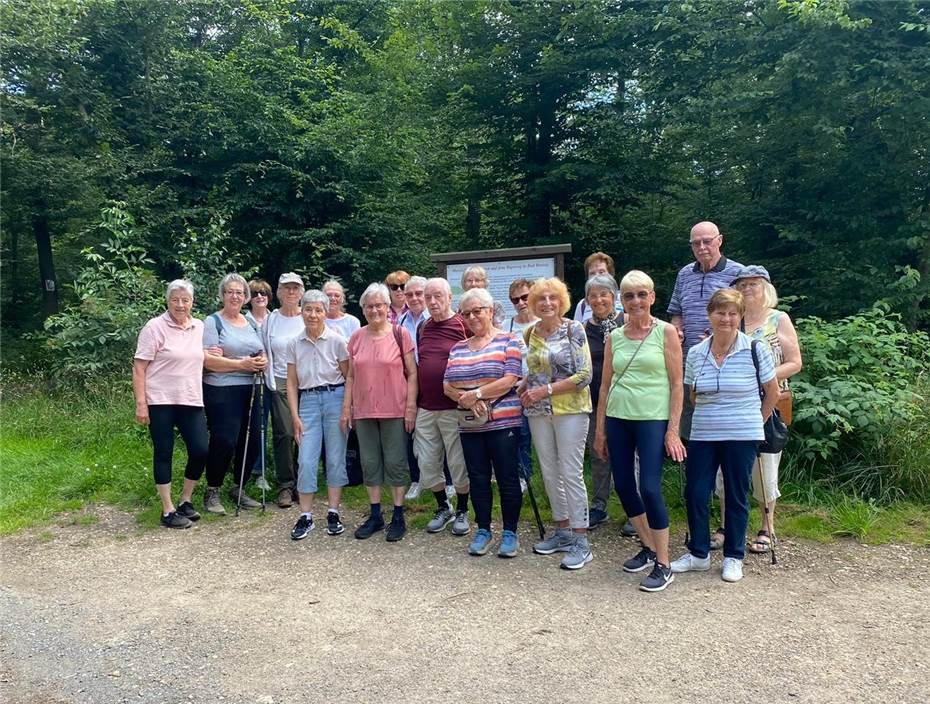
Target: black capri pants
192,424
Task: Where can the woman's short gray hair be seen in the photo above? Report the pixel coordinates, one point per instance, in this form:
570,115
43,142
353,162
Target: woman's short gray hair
601,281
475,271
375,289
236,279
314,296
480,294
180,285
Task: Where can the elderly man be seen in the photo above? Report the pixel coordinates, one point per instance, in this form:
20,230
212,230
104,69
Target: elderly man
436,435
694,286
281,326
416,313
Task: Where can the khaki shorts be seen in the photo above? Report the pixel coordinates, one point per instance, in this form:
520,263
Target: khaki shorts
435,437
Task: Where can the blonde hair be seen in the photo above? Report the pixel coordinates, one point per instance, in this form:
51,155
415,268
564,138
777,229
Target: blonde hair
726,297
556,285
637,279
397,277
769,295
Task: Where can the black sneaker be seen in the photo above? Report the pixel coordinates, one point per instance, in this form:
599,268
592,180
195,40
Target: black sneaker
187,510
627,530
302,528
369,527
396,530
657,580
596,516
175,520
640,561
333,524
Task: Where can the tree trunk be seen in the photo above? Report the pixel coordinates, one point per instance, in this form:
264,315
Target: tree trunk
47,276
473,218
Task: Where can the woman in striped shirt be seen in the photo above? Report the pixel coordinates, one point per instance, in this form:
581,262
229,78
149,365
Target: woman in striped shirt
480,376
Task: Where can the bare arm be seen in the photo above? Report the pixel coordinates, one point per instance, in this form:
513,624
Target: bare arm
607,375
489,392
293,398
679,324
345,422
138,389
770,398
410,411
791,349
673,445
252,365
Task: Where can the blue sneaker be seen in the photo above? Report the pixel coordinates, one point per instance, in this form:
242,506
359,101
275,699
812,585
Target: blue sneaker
480,543
509,544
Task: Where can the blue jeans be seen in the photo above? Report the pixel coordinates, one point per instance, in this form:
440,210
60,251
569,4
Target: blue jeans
624,438
320,412
735,459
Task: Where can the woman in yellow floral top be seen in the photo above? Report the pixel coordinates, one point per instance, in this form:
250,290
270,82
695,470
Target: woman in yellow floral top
557,402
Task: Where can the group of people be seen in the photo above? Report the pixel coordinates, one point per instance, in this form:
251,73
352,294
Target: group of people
450,400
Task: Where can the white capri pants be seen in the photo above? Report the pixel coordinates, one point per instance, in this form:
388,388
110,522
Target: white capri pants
768,463
560,443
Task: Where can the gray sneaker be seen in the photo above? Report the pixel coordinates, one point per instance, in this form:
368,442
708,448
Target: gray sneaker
560,541
247,501
441,519
461,525
578,556
212,503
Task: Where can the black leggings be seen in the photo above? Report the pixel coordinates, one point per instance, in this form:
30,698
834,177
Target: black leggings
227,408
190,421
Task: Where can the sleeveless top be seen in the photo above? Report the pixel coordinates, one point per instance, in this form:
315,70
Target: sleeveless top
768,332
643,390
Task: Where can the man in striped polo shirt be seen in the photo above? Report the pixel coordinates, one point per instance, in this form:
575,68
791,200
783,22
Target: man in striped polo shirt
694,286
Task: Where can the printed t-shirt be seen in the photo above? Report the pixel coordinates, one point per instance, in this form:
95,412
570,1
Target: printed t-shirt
379,387
562,355
436,340
174,375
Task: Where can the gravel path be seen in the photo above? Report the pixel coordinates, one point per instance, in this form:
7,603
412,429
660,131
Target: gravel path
234,611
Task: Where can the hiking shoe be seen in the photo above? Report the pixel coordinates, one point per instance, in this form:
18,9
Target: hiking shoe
369,527
285,497
509,544
578,556
262,483
560,541
461,525
441,519
211,501
175,520
640,561
246,501
333,524
627,530
480,543
732,569
596,516
690,563
413,492
302,528
186,509
657,580
397,529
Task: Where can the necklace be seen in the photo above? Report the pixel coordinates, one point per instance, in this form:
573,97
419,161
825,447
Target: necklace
720,356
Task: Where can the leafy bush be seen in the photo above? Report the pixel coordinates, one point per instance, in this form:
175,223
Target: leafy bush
117,293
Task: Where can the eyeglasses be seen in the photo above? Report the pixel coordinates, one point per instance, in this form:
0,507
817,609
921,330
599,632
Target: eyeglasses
374,306
704,241
396,287
256,294
633,295
516,299
237,294
701,374
474,312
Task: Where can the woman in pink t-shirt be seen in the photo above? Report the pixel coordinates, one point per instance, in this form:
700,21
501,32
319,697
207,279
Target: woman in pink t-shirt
381,403
167,376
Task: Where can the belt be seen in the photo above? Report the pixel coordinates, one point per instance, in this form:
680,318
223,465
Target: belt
322,387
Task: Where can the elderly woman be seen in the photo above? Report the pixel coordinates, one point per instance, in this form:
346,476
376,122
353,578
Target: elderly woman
283,325
764,323
381,402
481,376
317,366
596,264
723,381
639,412
477,277
519,294
556,399
229,394
167,373
396,282
336,317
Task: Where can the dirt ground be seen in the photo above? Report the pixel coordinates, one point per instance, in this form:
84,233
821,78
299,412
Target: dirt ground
234,611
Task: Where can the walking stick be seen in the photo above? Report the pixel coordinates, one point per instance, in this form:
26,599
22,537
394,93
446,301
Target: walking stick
261,410
684,498
245,448
765,510
529,490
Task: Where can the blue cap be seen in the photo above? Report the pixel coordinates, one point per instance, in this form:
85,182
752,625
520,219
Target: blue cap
752,271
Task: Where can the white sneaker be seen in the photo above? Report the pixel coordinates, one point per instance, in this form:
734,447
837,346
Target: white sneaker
522,485
732,569
450,491
413,492
690,563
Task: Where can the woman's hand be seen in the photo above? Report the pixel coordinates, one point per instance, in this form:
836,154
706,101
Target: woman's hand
468,399
410,419
298,429
215,350
142,413
530,397
673,446
253,365
600,444
345,421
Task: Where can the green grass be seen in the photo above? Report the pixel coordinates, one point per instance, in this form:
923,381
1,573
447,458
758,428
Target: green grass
64,451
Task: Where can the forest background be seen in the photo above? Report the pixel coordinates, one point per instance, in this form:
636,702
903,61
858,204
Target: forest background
145,140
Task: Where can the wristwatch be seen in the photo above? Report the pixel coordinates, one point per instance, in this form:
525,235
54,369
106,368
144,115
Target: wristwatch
549,389
478,393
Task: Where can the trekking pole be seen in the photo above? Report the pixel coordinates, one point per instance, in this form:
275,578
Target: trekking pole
529,490
684,497
261,410
765,510
245,448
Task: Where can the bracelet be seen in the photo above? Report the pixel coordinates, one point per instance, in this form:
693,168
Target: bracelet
549,389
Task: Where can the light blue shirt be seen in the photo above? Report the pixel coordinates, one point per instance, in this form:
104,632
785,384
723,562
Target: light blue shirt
409,322
727,405
237,342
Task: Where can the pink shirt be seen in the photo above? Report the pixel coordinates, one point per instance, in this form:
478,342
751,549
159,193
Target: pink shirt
174,375
379,387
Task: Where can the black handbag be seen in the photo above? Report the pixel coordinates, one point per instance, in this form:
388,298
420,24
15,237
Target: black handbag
776,431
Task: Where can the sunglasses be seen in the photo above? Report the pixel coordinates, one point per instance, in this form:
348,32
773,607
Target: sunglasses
256,294
525,297
633,295
396,287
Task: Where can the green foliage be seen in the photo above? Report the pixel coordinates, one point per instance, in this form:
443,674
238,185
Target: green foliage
854,517
116,294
